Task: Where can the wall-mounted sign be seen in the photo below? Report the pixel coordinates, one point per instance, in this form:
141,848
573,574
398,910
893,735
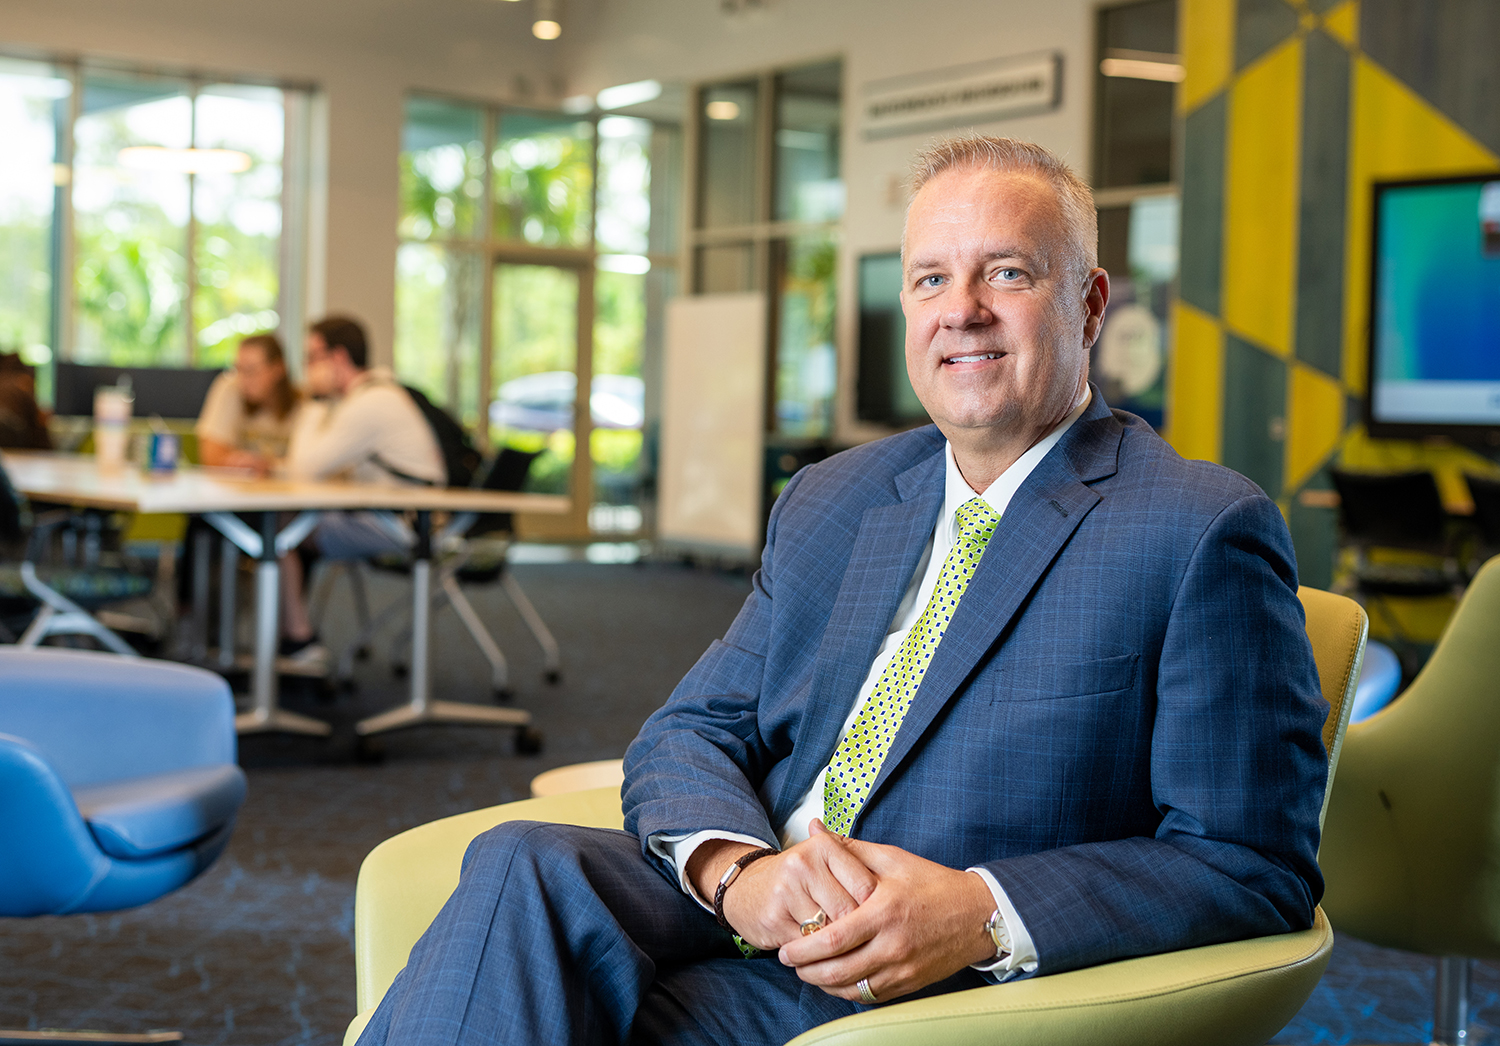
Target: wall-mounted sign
965,94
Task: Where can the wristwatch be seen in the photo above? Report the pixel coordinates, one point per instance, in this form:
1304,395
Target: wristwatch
995,927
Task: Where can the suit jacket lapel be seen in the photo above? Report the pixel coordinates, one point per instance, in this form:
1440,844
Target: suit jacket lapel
889,543
1040,519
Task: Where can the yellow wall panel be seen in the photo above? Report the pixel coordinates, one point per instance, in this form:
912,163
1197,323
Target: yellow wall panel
1343,23
1261,187
1205,39
1195,405
1315,421
1393,134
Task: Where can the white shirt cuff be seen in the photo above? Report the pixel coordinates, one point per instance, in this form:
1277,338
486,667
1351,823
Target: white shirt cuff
1022,957
677,850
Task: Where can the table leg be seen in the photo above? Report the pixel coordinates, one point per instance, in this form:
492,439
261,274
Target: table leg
421,708
265,715
229,569
202,547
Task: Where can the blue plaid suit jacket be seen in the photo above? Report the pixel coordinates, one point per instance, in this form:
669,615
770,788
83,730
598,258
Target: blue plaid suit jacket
1122,723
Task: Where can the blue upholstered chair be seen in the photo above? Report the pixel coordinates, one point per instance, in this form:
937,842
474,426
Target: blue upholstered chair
118,782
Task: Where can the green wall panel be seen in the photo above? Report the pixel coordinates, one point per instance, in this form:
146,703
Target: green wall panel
1259,26
1200,281
1320,240
1254,413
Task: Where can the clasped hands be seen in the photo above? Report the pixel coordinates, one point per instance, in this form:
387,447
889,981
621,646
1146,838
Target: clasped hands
895,920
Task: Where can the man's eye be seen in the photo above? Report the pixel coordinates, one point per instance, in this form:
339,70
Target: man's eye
1008,275
930,281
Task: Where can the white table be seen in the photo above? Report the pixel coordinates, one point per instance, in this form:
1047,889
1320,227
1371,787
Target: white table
219,495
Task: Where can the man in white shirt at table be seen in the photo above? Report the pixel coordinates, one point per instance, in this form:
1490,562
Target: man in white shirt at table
371,431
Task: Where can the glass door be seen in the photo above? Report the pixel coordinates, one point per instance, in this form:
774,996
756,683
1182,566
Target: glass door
539,360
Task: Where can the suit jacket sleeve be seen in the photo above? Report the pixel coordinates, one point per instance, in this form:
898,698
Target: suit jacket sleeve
692,765
1237,774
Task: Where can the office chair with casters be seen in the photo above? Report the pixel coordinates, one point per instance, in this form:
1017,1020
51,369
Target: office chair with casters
1235,994
118,785
471,550
1396,511
63,600
1412,827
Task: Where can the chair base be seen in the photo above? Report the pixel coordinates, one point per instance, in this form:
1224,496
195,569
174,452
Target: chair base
58,1037
278,720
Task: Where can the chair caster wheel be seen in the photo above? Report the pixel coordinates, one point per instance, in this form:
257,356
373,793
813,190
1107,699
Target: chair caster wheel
347,686
553,676
362,654
501,695
399,670
369,751
528,740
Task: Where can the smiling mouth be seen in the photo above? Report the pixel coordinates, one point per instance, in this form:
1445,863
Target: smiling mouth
975,357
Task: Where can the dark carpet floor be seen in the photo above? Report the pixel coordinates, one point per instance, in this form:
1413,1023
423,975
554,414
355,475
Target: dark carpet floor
259,950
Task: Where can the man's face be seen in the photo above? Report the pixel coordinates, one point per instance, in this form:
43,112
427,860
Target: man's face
318,371
997,327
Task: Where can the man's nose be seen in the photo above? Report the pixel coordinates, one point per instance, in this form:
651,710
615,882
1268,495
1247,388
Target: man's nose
965,308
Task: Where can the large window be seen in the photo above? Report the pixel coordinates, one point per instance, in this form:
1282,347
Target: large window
769,199
538,250
1137,197
141,215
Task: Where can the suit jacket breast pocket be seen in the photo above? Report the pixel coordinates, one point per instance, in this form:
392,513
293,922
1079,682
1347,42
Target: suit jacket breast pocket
1041,679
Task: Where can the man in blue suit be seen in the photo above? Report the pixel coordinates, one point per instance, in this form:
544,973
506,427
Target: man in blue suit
1016,693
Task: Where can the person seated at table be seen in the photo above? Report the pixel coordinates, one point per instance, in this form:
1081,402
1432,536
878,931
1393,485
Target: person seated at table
23,425
371,432
250,410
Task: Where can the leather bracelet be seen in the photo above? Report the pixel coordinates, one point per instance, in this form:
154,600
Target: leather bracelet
731,874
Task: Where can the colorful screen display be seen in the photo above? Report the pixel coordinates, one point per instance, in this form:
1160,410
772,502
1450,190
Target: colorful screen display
1435,315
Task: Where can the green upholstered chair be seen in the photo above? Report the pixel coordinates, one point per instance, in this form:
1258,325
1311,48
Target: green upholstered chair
1226,994
1413,828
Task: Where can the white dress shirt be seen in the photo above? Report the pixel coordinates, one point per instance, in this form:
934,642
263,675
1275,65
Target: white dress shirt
678,849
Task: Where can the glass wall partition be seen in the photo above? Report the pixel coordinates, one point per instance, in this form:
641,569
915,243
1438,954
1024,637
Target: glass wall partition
35,99
141,214
1137,197
769,200
530,303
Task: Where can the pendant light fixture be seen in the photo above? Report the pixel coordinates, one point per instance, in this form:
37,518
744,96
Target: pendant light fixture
546,25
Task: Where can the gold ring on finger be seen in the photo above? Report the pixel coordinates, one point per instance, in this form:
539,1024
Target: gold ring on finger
816,923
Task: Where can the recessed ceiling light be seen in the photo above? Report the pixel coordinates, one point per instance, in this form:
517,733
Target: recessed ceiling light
722,110
546,29
620,96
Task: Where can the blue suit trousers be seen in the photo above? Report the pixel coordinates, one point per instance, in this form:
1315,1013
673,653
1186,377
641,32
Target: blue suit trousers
560,934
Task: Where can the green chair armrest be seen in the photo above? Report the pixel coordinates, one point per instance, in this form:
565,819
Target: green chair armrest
1237,994
1227,994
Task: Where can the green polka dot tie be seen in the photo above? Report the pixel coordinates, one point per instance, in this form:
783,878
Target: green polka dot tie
856,761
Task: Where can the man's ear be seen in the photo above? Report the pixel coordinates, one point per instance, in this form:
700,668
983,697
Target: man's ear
1095,300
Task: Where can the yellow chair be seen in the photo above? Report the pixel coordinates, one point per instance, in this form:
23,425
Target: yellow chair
1409,850
579,777
1225,994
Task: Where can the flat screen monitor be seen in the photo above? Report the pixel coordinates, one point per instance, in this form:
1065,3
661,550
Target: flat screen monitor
1435,310
883,391
172,392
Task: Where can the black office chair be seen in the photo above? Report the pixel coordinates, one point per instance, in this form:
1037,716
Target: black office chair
1400,511
470,550
61,600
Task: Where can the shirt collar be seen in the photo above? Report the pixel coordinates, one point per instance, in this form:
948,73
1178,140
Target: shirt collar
998,494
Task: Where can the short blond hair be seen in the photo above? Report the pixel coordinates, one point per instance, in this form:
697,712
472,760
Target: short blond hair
1013,156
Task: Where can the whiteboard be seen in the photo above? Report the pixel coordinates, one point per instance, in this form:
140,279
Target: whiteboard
713,422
